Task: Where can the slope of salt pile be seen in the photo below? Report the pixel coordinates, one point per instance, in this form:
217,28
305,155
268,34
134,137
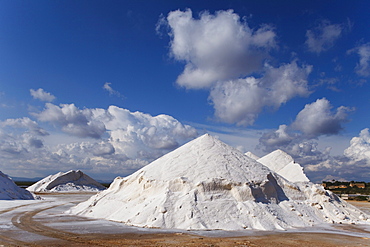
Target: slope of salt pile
71,181
206,184
10,191
252,155
284,165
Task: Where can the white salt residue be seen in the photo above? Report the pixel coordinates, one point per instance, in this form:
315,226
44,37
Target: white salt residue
206,184
71,181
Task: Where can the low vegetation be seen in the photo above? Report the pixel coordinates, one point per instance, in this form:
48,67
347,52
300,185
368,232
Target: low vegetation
353,190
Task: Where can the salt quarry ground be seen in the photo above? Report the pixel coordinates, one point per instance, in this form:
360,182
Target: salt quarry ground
204,193
43,223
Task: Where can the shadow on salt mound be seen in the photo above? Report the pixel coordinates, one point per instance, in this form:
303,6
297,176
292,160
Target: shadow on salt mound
269,192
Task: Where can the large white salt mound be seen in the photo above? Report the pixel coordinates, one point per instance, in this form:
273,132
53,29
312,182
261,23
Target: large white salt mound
284,165
71,181
206,184
10,191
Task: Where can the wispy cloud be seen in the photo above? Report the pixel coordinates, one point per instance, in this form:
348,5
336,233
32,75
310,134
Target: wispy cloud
111,91
363,66
323,36
42,95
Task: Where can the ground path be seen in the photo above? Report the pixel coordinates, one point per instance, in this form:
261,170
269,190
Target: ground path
41,223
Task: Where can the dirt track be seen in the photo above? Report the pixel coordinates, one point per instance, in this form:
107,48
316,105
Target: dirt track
35,221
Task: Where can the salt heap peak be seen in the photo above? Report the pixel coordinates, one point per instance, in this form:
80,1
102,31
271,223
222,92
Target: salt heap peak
10,191
284,165
252,155
71,181
206,184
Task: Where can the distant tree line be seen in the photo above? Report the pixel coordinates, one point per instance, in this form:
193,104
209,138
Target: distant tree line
352,187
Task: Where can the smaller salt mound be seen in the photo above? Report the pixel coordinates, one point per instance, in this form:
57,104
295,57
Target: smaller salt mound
252,155
284,165
71,181
10,191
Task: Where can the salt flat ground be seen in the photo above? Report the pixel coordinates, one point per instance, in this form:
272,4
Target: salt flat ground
43,223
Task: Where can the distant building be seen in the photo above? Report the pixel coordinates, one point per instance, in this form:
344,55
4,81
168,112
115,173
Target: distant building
344,196
341,186
358,185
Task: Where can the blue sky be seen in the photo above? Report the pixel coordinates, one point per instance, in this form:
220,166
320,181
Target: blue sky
108,86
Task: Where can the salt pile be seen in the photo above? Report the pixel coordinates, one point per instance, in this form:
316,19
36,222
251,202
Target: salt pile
284,165
206,184
252,155
10,191
71,181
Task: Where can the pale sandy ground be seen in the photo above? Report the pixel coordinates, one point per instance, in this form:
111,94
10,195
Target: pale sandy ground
42,224
364,206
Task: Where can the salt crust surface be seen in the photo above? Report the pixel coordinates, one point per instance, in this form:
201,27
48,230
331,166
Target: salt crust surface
284,165
71,181
10,191
206,184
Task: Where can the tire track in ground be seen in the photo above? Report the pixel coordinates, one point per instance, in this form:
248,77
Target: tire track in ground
26,222
20,206
7,241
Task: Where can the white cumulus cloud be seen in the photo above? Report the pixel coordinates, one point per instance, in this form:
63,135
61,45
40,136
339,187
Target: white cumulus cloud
317,118
216,47
42,95
138,134
226,56
277,139
300,140
354,164
240,101
25,123
72,120
359,148
123,141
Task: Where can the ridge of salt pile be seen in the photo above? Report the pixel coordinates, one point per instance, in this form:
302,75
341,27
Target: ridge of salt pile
284,165
71,181
206,184
252,155
10,191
